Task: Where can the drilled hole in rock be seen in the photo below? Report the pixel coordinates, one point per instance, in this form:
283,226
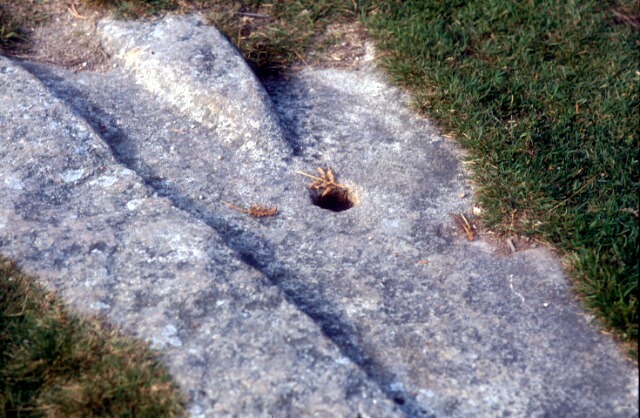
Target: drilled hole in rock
336,200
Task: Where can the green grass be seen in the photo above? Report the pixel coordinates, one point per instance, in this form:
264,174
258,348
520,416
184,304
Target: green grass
545,96
55,364
9,31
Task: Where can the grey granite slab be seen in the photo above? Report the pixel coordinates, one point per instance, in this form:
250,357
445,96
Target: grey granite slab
119,193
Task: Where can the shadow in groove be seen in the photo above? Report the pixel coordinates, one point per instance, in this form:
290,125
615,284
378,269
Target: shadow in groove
252,249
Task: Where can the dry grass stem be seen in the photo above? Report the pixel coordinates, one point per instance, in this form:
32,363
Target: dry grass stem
256,211
466,226
326,183
74,12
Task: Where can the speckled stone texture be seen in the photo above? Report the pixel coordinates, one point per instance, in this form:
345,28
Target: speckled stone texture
115,190
91,228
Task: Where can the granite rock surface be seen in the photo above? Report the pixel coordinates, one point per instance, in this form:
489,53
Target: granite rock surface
128,192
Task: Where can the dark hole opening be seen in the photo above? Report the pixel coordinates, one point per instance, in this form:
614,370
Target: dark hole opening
399,400
336,200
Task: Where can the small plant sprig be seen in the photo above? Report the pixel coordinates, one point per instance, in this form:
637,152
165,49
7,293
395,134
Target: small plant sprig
256,211
466,226
326,183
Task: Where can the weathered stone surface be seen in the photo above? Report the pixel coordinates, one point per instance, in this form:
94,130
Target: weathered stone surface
195,69
89,227
441,326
